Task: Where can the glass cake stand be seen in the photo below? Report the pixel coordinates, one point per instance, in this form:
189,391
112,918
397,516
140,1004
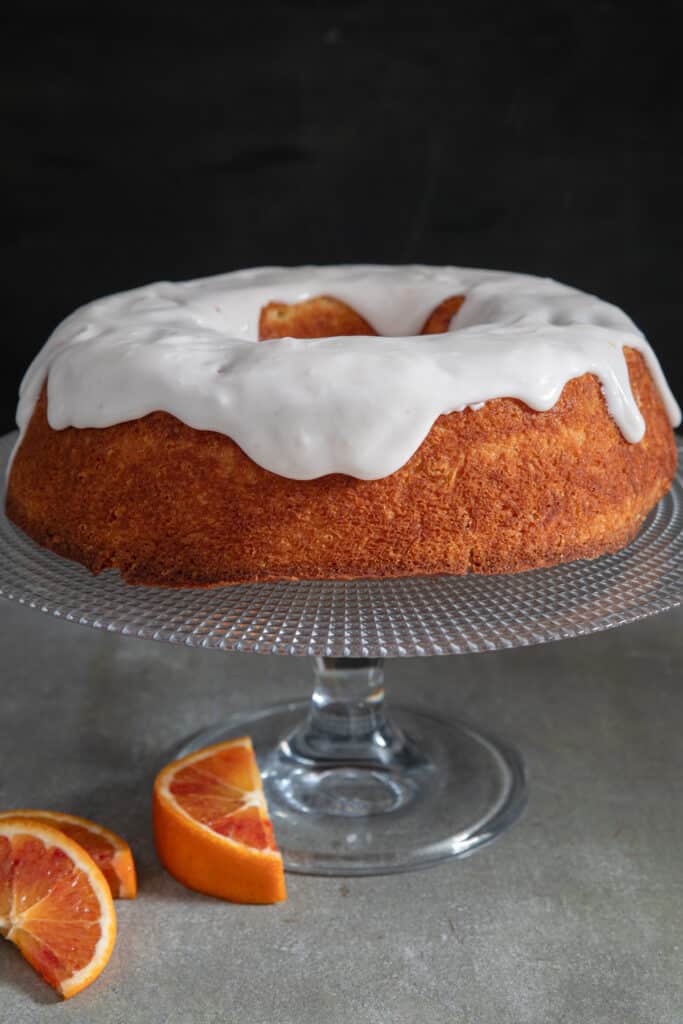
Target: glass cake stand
352,790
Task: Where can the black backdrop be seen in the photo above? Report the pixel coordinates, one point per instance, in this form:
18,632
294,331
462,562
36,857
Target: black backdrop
174,140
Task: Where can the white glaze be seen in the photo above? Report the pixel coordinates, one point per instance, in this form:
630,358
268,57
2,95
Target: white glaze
354,405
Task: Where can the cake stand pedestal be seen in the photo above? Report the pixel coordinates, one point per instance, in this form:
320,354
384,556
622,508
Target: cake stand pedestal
352,789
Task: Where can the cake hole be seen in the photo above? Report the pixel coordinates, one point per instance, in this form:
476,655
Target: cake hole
326,317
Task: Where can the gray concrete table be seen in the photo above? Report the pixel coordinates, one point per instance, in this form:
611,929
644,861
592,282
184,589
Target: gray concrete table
576,915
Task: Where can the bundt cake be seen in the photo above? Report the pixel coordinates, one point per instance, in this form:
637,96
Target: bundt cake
392,421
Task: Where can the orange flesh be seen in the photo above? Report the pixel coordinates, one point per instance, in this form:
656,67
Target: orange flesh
59,924
211,825
212,792
112,855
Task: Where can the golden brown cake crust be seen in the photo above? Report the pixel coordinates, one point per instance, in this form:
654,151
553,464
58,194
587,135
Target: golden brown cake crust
320,317
439,320
500,489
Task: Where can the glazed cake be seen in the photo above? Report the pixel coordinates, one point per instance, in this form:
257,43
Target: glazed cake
341,422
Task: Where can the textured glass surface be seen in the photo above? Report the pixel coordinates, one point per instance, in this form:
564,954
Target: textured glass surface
365,618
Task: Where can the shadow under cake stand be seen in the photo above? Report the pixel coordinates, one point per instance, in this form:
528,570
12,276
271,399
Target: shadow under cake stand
351,789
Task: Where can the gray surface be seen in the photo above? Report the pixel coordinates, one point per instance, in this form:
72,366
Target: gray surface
574,916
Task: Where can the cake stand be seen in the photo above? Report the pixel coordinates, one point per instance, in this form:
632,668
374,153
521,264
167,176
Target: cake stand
351,789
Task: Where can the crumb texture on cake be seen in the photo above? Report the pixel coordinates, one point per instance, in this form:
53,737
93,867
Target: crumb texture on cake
502,488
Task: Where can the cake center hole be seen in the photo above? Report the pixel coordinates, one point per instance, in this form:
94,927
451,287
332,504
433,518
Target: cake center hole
327,317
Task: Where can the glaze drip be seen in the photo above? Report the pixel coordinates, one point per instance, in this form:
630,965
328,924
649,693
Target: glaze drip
354,405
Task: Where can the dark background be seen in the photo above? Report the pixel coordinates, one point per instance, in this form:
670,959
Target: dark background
147,141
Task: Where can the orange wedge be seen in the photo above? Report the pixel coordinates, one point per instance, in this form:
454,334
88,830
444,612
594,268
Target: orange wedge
55,904
110,852
212,828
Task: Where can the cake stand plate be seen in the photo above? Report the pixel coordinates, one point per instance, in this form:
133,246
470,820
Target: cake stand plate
352,791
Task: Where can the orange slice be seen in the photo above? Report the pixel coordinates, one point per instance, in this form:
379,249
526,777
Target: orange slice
110,852
212,828
55,904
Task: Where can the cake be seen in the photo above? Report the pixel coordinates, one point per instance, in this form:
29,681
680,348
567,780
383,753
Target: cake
340,422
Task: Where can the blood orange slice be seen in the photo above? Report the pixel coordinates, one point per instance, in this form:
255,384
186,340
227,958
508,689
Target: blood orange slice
55,904
212,828
110,852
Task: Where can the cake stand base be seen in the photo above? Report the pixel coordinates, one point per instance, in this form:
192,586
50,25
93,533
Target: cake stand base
353,791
